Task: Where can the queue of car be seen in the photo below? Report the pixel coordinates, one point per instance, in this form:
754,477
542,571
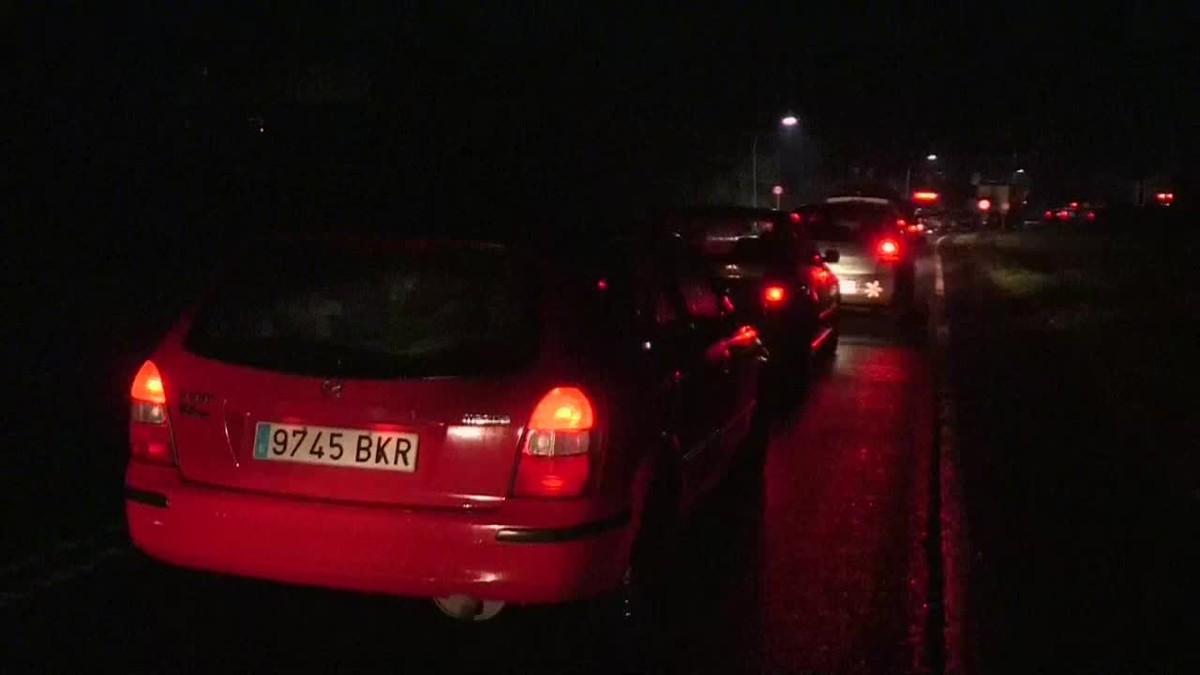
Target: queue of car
485,422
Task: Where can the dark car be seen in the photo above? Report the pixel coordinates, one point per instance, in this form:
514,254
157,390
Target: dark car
875,256
469,421
770,273
1074,212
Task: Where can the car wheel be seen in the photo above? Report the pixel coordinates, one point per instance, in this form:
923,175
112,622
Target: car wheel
784,381
753,455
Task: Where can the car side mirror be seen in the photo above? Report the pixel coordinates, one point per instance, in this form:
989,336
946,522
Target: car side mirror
832,255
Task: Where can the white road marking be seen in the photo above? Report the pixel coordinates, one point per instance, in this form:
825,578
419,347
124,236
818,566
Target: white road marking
953,527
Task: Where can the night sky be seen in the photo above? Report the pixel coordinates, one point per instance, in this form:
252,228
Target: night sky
559,103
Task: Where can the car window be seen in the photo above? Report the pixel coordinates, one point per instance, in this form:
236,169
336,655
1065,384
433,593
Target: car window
734,238
848,222
699,298
322,310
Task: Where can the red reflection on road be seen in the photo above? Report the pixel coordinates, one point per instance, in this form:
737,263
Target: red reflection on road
846,515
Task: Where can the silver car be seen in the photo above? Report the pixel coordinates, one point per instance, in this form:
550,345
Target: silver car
874,259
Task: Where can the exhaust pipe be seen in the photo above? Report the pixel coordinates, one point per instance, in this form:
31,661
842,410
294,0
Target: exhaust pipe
468,608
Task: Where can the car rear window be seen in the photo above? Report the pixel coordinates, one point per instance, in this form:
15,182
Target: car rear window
737,239
848,222
354,311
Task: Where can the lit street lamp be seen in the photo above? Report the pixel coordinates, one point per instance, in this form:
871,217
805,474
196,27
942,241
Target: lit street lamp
778,192
787,121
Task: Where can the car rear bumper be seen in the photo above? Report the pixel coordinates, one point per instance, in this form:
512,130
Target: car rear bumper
371,549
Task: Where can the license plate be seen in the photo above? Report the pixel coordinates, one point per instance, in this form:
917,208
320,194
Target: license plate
333,446
848,286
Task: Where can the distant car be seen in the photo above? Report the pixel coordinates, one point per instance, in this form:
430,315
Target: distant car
1073,212
928,221
773,275
467,421
874,257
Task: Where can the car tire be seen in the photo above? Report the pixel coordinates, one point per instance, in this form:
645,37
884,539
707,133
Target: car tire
752,456
784,381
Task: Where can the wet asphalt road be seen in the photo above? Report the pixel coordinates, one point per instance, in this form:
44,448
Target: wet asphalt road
819,564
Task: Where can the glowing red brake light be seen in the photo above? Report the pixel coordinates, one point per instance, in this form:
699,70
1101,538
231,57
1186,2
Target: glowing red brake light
563,409
795,217
149,428
774,295
554,459
148,385
888,250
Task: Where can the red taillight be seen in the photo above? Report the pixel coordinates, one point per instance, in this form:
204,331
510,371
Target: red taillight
795,217
1049,215
554,460
563,409
149,428
774,295
148,385
1091,216
1063,215
984,204
888,250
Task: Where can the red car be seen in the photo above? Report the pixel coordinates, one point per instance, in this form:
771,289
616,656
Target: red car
464,421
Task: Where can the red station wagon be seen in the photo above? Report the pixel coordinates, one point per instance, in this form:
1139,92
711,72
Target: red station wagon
466,421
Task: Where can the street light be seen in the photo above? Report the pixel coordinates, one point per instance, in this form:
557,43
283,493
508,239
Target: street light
788,121
778,192
931,157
